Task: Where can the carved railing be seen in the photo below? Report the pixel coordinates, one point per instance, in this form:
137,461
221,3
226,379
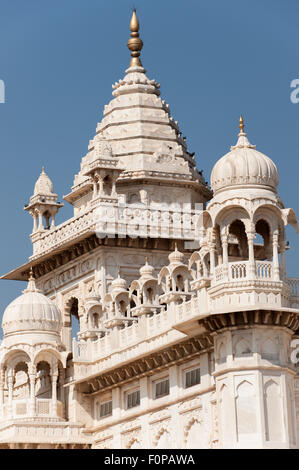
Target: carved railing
21,408
129,334
294,285
240,270
264,269
123,219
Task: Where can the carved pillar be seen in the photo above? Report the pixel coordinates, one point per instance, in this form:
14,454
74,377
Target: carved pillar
54,378
275,256
283,260
95,188
2,381
250,238
40,221
224,241
10,380
34,216
212,258
32,402
101,186
114,178
53,214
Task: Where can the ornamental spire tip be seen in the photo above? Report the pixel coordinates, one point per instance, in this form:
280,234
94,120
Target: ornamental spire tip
135,44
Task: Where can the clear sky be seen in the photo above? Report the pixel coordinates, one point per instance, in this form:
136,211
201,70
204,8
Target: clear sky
214,60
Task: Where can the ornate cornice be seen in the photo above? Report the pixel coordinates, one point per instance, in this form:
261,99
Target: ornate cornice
155,362
52,261
252,318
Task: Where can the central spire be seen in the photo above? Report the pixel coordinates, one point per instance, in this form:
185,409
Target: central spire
135,44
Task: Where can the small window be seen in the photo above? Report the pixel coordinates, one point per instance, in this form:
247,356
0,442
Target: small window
192,377
162,388
133,399
106,409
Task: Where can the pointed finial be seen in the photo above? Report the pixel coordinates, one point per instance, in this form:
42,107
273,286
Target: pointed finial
31,275
118,272
43,169
135,44
31,287
175,246
146,260
241,124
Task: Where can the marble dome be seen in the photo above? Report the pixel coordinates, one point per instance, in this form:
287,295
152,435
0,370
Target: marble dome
244,165
30,312
43,185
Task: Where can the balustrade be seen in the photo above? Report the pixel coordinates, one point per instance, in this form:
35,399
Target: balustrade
124,219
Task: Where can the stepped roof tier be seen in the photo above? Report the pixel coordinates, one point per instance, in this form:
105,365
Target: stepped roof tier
140,134
138,156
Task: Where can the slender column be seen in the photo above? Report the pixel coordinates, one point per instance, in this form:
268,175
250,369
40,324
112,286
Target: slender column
10,380
54,378
95,188
212,258
250,238
283,260
32,403
2,381
275,256
53,219
34,215
40,221
224,241
114,178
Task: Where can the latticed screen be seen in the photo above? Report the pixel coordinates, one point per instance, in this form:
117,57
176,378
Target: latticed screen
43,407
192,377
162,388
133,399
106,409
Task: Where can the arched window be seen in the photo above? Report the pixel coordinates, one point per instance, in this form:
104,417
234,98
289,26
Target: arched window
238,245
43,380
74,317
262,248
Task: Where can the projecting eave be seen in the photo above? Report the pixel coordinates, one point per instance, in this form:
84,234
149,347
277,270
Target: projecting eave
22,272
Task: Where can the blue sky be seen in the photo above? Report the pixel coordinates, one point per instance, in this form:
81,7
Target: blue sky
214,60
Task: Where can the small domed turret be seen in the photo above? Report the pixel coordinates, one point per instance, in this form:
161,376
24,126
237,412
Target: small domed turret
43,185
32,314
244,165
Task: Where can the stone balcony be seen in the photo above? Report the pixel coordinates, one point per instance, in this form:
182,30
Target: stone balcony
230,290
107,219
240,285
43,409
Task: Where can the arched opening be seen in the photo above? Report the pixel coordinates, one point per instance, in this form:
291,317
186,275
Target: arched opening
150,295
107,185
122,306
74,316
262,244
21,387
43,387
238,245
95,320
180,283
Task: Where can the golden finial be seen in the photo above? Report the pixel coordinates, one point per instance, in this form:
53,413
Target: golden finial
135,44
241,124
118,272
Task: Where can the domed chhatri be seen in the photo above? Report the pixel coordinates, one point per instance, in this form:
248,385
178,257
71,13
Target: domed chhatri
244,165
31,312
43,185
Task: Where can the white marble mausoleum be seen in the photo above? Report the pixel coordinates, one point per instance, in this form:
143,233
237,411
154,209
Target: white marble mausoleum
188,321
